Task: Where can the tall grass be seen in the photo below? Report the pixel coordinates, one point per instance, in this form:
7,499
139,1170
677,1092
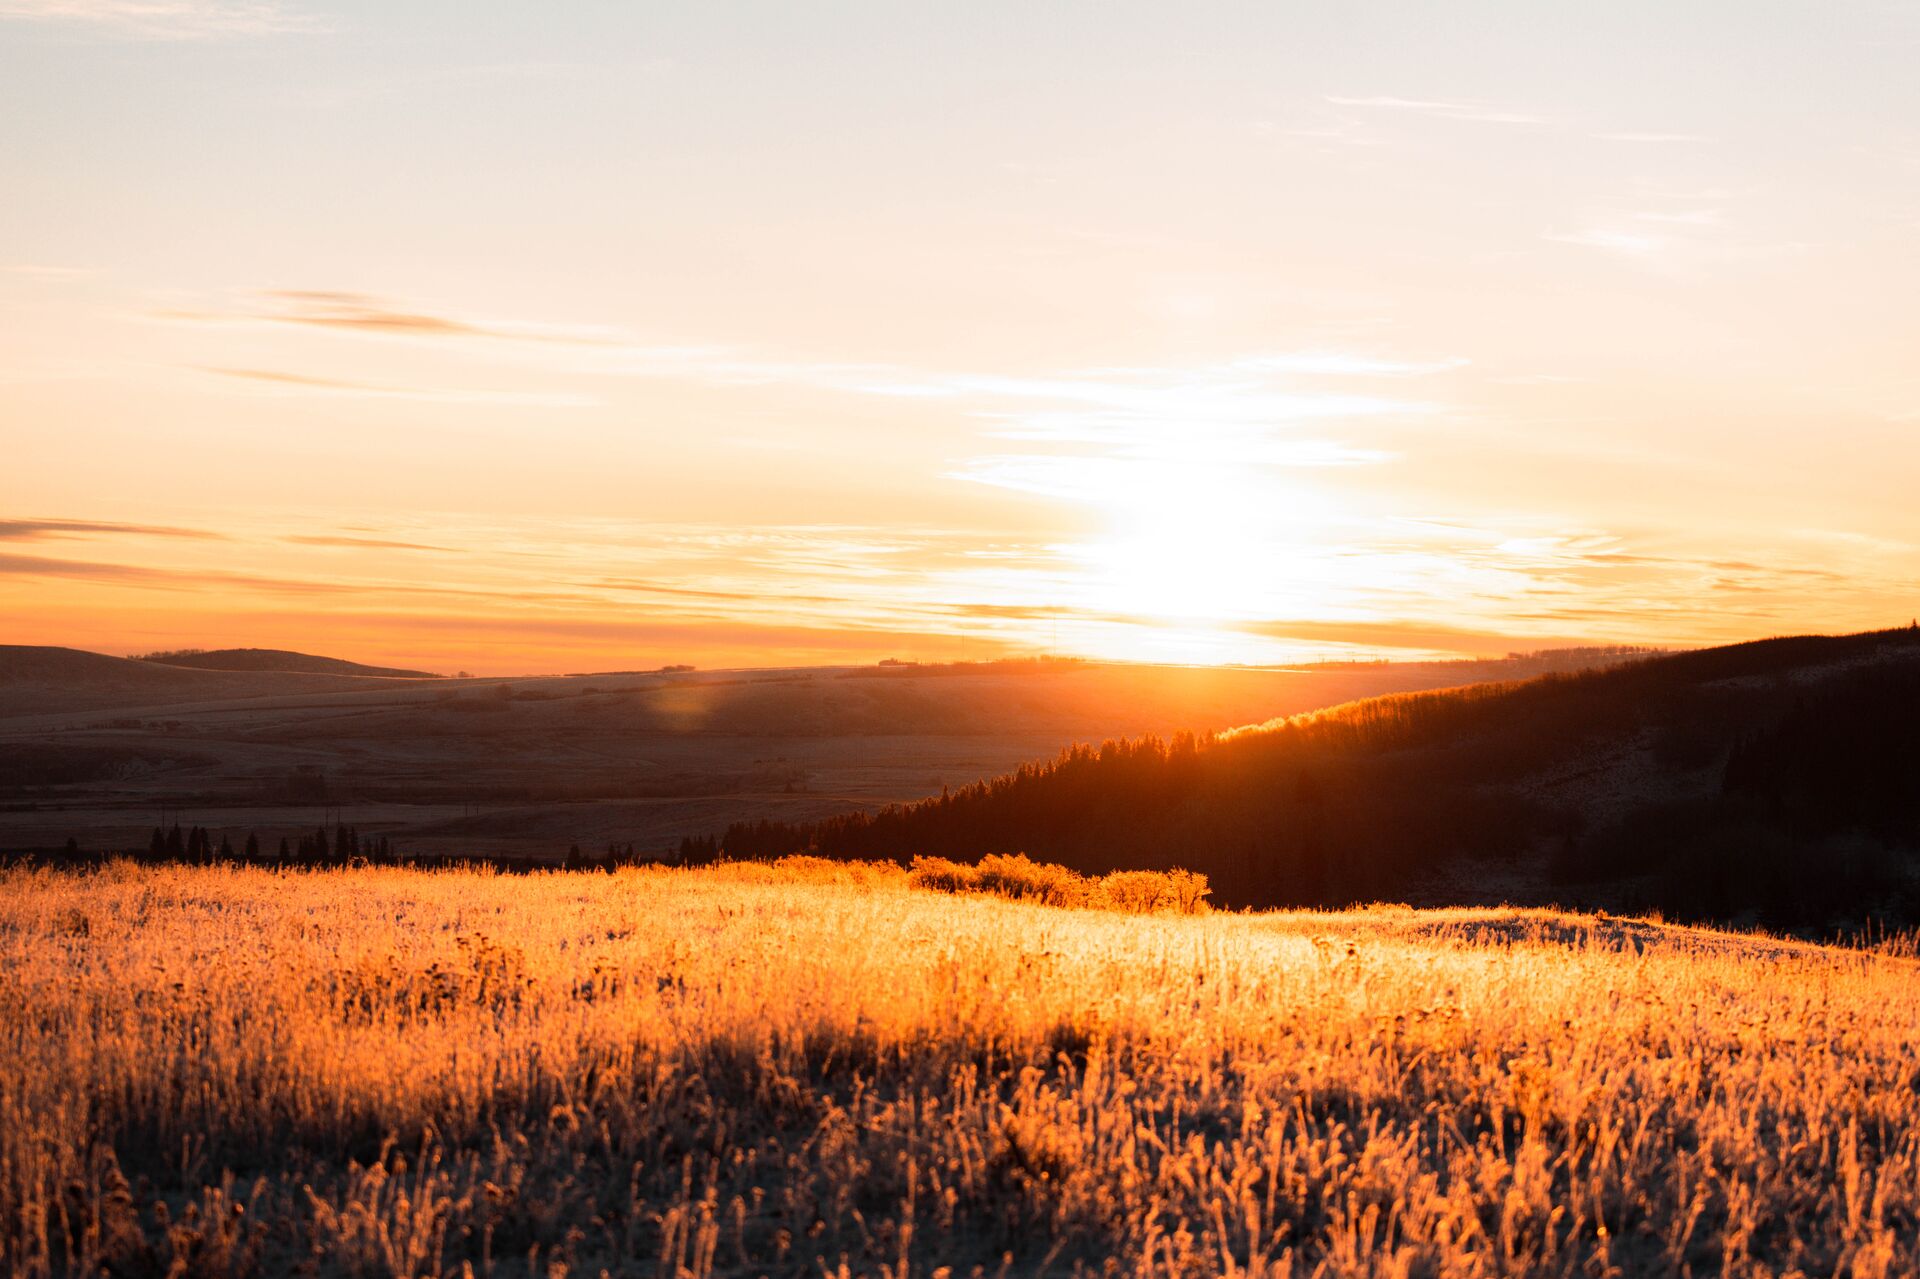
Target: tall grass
1140,892
752,1070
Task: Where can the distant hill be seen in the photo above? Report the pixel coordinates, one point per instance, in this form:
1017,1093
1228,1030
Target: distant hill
49,665
43,679
1775,782
276,659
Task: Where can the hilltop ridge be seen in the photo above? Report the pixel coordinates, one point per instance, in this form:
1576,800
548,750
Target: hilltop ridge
275,659
1765,782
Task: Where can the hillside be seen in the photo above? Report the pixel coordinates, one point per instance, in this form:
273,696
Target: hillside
1774,782
276,659
92,746
49,680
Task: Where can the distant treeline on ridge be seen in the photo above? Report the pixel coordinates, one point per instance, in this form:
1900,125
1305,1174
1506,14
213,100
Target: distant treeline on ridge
1801,798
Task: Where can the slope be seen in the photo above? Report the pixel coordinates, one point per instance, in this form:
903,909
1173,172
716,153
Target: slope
276,659
1777,782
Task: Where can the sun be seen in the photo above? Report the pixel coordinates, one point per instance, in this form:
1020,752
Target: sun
1190,552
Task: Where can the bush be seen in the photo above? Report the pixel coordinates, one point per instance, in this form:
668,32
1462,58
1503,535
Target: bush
943,876
1018,876
1147,892
809,870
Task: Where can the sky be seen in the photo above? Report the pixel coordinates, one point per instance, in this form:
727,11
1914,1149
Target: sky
587,336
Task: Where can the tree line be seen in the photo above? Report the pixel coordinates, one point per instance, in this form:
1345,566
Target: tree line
345,845
1803,794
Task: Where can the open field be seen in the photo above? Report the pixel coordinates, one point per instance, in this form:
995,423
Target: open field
101,749
756,1070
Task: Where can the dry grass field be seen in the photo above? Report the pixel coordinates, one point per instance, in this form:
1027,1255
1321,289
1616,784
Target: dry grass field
756,1070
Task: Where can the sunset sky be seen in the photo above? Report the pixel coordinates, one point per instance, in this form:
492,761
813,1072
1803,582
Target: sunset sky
606,335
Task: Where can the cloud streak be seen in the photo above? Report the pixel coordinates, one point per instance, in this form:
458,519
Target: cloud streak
362,543
301,382
1652,138
36,530
1626,243
165,19
1464,110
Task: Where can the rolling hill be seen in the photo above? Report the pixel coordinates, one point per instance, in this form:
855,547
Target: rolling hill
1773,782
91,747
47,679
276,659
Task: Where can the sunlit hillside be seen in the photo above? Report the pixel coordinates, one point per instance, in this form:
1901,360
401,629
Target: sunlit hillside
829,1070
1763,783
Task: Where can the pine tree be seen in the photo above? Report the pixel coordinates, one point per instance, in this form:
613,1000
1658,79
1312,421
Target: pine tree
253,847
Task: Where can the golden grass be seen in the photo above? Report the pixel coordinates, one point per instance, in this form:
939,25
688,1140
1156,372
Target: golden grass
1138,892
752,1070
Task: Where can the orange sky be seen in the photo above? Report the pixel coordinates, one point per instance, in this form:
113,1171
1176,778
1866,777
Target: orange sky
755,334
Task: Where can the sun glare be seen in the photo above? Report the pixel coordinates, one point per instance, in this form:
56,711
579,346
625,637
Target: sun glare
1188,554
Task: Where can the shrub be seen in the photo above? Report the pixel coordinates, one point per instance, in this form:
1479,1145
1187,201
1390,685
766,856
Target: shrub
1139,892
809,870
1146,892
943,876
1020,876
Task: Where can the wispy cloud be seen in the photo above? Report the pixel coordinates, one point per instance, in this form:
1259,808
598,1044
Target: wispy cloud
1692,217
1344,364
372,315
1412,636
1463,109
1103,434
360,543
165,19
1655,138
1609,241
360,311
45,271
1133,478
1097,405
37,530
302,382
159,578
154,577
